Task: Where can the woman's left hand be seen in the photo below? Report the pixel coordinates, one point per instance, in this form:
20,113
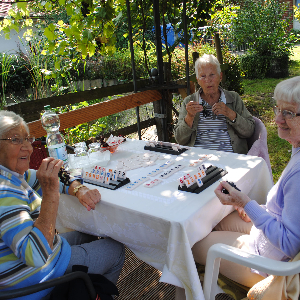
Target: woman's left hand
88,198
220,108
242,214
235,197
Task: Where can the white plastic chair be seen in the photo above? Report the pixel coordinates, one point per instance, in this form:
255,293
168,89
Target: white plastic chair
267,265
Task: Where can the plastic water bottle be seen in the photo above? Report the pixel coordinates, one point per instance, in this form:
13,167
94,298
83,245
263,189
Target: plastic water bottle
55,141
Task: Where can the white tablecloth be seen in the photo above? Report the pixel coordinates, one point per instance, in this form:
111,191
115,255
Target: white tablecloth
161,224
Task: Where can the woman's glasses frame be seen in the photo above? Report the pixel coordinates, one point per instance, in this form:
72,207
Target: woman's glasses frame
17,140
286,114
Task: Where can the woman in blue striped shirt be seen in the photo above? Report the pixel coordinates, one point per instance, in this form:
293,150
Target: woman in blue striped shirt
30,250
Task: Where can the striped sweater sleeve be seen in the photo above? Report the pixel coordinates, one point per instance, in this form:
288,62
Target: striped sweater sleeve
19,207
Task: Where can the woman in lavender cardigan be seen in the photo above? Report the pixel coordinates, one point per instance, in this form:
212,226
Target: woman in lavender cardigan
271,230
275,231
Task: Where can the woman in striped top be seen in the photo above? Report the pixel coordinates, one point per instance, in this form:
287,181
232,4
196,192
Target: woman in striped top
213,118
30,250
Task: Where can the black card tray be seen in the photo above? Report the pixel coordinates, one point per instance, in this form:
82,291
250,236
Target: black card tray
213,174
113,185
165,149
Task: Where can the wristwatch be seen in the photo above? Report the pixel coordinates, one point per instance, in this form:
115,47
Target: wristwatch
234,120
78,187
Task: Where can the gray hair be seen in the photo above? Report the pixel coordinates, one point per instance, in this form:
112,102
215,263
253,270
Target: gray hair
288,90
206,59
10,120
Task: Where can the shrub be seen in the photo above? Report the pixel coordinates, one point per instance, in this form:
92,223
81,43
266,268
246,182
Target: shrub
19,77
255,65
233,75
264,26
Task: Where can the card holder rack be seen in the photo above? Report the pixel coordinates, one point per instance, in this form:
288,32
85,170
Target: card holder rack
213,174
113,185
165,149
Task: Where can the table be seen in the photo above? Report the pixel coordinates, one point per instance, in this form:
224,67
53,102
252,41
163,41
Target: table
161,224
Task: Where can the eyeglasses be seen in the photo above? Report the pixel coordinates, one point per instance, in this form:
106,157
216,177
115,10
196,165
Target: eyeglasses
17,140
286,114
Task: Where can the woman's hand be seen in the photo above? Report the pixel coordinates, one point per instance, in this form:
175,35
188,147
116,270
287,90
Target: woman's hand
192,108
47,175
88,198
220,108
235,197
242,214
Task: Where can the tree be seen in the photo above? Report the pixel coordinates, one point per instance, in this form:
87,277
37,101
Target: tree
171,12
68,25
75,28
264,26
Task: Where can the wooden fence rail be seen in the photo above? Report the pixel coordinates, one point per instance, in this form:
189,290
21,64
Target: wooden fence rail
30,111
96,111
148,92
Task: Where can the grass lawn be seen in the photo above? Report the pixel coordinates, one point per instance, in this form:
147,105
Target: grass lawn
258,99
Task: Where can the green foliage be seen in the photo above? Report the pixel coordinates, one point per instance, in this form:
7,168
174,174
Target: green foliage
15,76
38,65
261,66
222,14
83,131
84,25
116,66
5,68
264,26
233,74
295,36
171,12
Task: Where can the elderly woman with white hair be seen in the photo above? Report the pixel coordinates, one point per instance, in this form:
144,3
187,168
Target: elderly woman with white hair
273,230
213,118
30,250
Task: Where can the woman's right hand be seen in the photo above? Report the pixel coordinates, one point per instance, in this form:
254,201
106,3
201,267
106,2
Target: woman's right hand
47,174
234,197
193,107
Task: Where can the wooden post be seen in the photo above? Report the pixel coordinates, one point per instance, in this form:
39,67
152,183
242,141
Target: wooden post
195,57
168,98
219,54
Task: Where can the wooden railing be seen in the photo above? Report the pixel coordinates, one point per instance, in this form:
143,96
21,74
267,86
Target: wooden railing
96,111
31,111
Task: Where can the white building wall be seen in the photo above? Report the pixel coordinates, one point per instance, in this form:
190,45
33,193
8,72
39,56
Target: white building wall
15,42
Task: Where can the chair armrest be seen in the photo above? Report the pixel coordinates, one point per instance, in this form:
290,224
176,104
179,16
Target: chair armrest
264,264
51,283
